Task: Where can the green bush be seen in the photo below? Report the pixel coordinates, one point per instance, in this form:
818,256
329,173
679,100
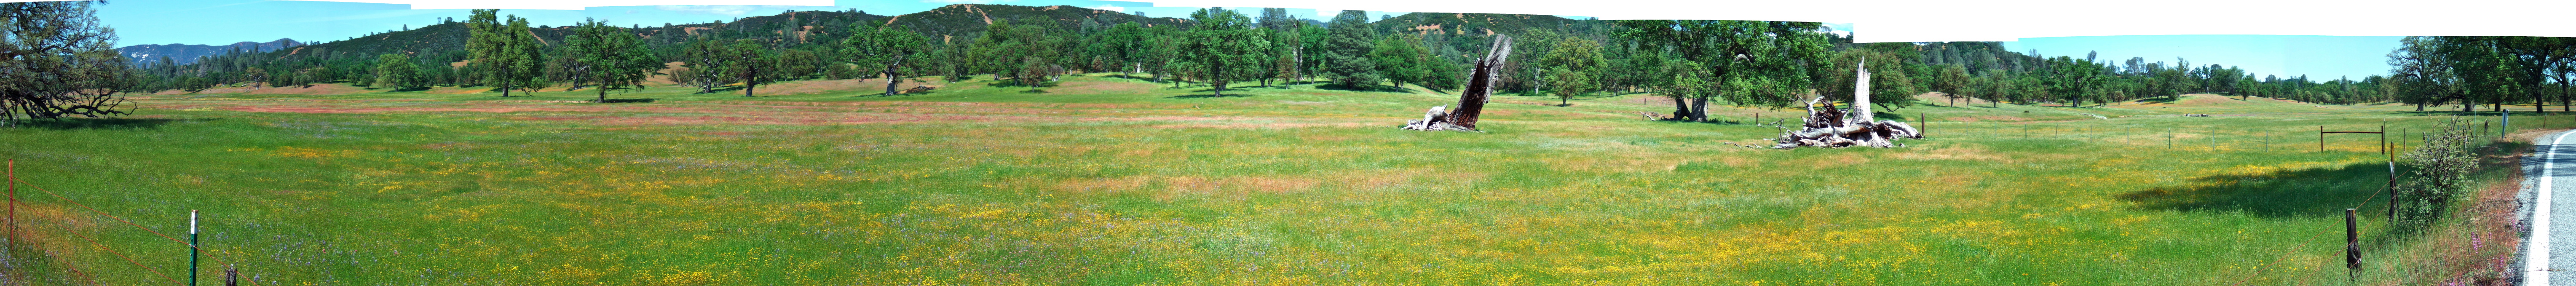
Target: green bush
2442,167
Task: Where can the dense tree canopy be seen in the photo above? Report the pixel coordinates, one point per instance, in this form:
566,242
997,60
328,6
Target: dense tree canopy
1761,64
1225,47
1751,63
608,58
507,56
887,50
1345,49
59,62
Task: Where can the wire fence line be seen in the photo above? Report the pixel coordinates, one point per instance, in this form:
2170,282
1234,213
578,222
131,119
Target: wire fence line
2392,139
23,229
2400,134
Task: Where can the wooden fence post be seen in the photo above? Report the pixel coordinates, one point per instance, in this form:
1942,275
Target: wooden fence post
2351,242
2321,138
13,201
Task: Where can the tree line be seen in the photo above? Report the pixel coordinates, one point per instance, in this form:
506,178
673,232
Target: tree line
1767,64
2482,70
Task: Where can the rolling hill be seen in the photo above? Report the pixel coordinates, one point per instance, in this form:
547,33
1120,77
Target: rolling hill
185,54
793,27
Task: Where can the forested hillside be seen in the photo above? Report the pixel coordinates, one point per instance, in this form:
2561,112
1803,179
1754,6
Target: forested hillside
1742,63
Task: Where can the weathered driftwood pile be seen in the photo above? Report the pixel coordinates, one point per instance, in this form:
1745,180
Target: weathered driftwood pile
1828,127
1832,128
1471,101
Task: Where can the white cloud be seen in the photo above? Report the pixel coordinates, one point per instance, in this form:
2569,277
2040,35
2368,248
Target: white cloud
1110,8
967,1
727,10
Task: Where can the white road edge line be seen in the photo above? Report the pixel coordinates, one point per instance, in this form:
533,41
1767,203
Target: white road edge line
2535,268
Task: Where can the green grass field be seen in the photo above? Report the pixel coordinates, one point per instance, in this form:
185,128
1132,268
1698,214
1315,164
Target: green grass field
1109,181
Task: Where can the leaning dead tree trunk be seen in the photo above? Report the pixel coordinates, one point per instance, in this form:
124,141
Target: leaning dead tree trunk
1471,101
1831,127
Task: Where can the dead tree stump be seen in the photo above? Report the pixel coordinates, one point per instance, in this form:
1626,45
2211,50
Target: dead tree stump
1471,101
1832,128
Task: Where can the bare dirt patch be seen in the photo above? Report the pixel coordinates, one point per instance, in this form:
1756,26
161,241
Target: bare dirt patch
316,89
1102,87
663,77
457,90
321,109
1265,125
1943,99
837,85
1238,122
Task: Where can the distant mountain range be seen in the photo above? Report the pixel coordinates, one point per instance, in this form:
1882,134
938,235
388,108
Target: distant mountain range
185,54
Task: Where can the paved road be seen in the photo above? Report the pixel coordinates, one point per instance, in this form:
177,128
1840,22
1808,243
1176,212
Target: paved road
2552,197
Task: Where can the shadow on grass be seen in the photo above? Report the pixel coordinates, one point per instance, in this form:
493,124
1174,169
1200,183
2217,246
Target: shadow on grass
721,89
899,93
1372,87
1209,95
1121,76
629,100
2159,100
96,123
2485,113
2317,192
1016,83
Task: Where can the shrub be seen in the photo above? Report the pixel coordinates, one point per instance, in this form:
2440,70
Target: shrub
2442,167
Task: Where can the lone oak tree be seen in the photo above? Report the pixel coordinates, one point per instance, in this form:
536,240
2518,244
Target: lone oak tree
886,49
608,57
1225,47
508,55
1751,63
58,61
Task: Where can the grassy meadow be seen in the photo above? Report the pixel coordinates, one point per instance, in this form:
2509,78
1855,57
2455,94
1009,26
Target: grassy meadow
1107,180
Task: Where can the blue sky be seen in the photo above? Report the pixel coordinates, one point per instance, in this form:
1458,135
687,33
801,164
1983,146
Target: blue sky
2321,58
226,21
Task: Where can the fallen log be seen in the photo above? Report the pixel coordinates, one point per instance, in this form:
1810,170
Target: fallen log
1831,127
1471,101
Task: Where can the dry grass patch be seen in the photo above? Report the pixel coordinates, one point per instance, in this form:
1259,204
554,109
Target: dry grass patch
866,86
1952,153
315,89
457,90
1101,87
